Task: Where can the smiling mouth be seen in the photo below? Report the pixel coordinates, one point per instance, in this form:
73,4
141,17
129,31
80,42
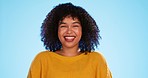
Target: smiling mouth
69,38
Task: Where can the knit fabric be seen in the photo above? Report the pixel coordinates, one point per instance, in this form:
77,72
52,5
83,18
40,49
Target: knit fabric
52,65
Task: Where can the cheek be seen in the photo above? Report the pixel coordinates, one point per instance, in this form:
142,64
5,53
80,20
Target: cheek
60,33
79,32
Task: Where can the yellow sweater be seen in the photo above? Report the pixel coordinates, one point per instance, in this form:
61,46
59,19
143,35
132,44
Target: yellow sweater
52,65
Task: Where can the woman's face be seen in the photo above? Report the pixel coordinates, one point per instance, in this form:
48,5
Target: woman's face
69,32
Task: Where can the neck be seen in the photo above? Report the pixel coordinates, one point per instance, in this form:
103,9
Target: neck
66,51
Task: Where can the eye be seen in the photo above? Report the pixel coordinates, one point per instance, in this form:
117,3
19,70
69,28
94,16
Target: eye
76,26
63,26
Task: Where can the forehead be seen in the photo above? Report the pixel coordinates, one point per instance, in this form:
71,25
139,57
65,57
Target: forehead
69,18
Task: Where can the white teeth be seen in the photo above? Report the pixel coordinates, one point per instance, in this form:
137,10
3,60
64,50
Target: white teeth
69,38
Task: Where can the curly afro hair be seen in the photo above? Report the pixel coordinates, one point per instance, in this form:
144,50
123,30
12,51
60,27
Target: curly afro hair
49,29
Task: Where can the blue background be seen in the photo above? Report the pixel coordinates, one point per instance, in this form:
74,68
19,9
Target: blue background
123,25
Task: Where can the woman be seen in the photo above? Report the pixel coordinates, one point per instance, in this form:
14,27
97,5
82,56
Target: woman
70,35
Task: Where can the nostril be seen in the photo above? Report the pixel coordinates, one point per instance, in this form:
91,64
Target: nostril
69,31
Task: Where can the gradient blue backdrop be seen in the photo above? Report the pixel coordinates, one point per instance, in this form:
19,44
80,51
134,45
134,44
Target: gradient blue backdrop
123,25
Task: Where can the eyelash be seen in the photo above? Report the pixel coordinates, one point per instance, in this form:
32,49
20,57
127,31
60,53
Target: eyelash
75,26
62,26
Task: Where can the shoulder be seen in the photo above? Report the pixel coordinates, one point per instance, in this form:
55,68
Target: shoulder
42,55
97,56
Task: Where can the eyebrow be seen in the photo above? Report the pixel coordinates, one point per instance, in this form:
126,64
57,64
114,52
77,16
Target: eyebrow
72,23
76,22
61,23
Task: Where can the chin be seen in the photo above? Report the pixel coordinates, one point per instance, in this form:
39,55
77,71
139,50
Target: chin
69,45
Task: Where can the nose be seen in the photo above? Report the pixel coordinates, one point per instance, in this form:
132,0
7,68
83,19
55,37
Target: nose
69,30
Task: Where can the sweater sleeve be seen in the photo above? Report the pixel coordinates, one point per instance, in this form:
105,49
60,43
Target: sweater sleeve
35,68
102,68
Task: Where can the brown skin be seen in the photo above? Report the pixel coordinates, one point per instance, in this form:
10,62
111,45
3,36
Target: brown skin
69,33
